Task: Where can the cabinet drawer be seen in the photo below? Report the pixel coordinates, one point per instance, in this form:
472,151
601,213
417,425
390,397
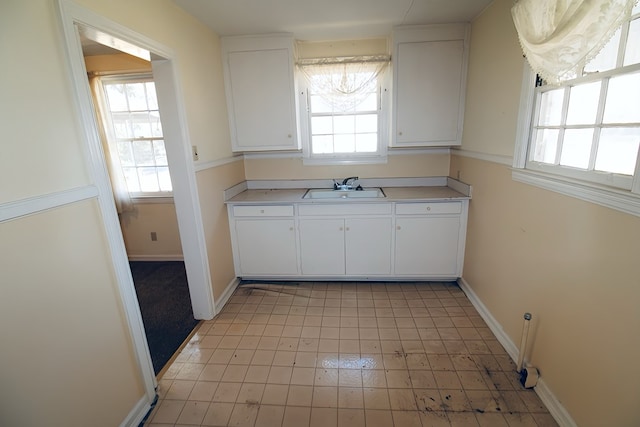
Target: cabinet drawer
240,211
428,208
345,209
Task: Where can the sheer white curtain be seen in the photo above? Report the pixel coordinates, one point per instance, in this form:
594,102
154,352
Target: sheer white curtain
343,83
559,36
118,184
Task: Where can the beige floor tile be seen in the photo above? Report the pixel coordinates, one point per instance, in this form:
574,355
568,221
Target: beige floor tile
190,371
270,416
350,397
168,411
218,414
275,394
212,372
300,395
351,417
455,400
398,378
193,412
374,378
349,345
330,360
234,373
325,397
257,374
402,399
447,380
203,391
376,398
394,361
227,392
326,377
349,378
296,416
324,417
306,359
263,357
279,375
244,415
406,418
250,393
284,358
422,379
378,418
179,390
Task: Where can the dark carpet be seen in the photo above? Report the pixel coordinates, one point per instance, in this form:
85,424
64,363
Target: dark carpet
163,295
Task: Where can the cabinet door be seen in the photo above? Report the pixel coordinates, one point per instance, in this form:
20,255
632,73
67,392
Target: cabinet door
267,246
368,246
322,246
428,93
427,246
261,99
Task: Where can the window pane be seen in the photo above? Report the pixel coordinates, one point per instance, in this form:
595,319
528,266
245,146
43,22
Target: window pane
366,143
159,153
632,51
344,124
116,97
137,96
367,123
369,103
322,144
345,143
125,153
143,153
121,125
618,150
546,146
583,104
152,99
576,148
321,125
319,104
606,59
141,125
551,107
623,99
131,177
165,179
148,179
156,125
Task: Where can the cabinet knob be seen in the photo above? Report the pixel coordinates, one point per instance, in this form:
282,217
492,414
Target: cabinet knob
399,133
347,228
398,228
261,210
341,229
428,208
290,228
288,135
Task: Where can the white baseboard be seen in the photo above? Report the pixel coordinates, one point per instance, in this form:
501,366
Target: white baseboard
137,413
557,411
231,287
176,257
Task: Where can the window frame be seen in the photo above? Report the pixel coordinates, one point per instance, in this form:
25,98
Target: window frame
620,192
305,115
160,195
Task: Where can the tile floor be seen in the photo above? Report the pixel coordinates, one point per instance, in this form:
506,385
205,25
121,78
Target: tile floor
346,354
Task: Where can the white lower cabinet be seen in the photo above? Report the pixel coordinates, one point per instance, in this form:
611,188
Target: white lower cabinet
428,239
353,246
381,240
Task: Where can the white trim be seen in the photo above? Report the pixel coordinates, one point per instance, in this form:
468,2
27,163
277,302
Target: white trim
175,257
69,15
200,166
525,110
150,200
33,205
226,294
620,200
274,155
234,191
137,413
557,411
494,158
398,151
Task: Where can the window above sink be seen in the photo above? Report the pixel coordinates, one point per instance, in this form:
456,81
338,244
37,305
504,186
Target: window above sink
321,193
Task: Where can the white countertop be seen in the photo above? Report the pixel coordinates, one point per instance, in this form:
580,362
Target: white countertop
393,194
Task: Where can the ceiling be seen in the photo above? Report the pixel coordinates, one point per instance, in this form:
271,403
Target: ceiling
324,20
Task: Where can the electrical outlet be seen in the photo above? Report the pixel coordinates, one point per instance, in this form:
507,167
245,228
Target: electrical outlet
194,151
154,236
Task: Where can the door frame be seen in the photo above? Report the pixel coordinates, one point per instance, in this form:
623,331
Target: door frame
183,176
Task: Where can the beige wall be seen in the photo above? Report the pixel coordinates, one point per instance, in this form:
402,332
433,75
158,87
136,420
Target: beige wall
145,218
572,264
211,183
398,166
66,350
66,355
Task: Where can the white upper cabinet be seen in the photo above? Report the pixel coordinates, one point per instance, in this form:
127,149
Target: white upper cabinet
429,83
260,90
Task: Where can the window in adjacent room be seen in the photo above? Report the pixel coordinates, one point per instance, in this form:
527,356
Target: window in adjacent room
343,110
133,126
587,129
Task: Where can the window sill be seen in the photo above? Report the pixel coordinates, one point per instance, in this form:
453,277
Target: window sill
621,200
149,199
364,160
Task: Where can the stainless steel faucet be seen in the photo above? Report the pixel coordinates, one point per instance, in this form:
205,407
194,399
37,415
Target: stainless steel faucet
347,183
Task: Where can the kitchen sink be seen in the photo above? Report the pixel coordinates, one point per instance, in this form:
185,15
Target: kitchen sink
320,193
